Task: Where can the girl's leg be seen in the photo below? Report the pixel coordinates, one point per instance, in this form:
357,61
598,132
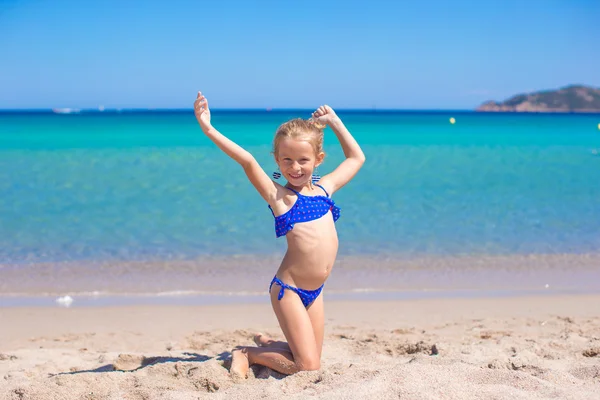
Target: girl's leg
298,330
316,313
317,318
296,324
277,359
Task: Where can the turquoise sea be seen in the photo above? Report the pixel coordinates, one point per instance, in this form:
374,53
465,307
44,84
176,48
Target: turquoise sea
143,202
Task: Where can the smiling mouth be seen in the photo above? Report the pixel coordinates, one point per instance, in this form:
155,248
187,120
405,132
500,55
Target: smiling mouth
296,176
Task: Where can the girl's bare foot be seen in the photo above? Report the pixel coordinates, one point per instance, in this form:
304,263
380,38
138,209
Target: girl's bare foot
239,364
262,340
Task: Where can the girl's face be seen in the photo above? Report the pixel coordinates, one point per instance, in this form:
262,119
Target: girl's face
297,160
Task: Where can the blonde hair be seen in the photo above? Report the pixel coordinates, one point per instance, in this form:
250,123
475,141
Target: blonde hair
301,129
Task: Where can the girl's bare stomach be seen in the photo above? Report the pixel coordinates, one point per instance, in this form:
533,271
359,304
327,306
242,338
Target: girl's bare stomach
312,250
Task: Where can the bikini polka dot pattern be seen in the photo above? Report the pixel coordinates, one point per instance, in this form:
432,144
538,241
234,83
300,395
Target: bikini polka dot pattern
306,208
307,296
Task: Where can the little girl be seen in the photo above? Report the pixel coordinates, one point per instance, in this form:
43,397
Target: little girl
305,214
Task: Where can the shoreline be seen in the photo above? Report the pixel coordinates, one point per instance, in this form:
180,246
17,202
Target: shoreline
92,300
249,275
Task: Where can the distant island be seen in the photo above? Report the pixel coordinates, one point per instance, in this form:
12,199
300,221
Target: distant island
573,98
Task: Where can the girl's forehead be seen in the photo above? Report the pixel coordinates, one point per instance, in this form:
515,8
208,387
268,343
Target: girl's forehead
295,146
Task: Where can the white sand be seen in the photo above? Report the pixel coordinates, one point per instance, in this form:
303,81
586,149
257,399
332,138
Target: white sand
506,348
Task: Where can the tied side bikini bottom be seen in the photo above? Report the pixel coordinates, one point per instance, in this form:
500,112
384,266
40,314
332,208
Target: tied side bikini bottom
307,296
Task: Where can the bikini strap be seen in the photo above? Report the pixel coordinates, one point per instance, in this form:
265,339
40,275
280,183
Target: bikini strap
293,191
316,184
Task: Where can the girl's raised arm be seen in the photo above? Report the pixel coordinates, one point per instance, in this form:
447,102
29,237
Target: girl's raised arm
355,158
261,181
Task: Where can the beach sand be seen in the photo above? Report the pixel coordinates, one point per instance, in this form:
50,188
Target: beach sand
488,348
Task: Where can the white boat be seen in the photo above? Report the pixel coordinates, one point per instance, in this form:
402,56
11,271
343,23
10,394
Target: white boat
65,110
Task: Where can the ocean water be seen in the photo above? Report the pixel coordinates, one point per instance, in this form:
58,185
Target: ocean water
143,202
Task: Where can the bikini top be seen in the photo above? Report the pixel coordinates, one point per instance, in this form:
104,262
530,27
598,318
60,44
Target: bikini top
306,208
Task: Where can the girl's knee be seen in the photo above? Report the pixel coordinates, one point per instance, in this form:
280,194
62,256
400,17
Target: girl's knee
309,364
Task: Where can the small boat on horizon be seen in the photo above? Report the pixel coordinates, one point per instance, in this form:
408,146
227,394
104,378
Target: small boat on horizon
65,110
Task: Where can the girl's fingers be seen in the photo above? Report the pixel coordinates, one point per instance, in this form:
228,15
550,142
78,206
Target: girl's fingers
200,99
201,103
200,107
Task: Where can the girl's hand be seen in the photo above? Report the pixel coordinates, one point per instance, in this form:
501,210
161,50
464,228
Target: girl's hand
202,112
324,115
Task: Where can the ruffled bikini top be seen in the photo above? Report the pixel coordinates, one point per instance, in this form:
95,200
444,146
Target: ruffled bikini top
306,208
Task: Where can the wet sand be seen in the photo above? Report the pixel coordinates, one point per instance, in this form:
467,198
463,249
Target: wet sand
251,275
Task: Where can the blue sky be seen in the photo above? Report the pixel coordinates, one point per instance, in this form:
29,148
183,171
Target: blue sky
287,54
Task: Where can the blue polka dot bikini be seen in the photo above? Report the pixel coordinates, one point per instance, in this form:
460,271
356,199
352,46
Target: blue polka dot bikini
306,208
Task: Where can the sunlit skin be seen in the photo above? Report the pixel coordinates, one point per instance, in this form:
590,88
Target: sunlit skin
297,160
312,245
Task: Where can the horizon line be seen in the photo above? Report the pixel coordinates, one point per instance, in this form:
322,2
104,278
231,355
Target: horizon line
118,111
263,109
